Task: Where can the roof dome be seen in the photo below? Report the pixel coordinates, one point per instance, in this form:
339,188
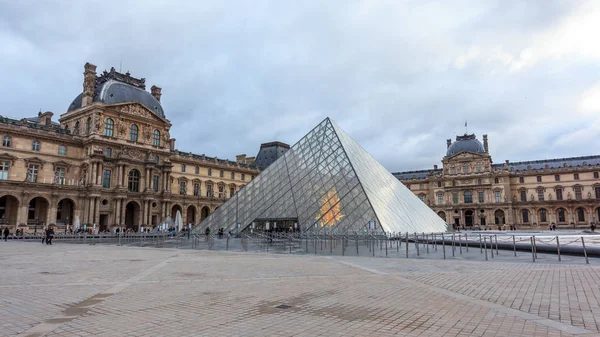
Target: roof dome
113,87
464,143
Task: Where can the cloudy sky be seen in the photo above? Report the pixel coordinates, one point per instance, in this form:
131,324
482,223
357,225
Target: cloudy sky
399,76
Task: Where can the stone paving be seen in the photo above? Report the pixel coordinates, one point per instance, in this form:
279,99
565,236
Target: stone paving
83,290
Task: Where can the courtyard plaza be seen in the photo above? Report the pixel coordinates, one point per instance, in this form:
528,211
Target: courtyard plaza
107,290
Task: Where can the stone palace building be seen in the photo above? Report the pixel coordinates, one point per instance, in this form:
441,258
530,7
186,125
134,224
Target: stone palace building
110,161
469,190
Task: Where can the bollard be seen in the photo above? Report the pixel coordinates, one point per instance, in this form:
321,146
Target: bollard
417,243
467,242
485,247
514,246
373,248
535,247
584,251
444,246
480,248
532,250
426,242
496,235
492,247
558,248
357,245
386,244
459,244
406,244
453,245
227,244
398,238
434,241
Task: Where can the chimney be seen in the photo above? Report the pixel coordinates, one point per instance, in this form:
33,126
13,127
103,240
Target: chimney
435,167
448,143
485,143
250,160
506,161
45,118
172,144
89,84
156,92
240,158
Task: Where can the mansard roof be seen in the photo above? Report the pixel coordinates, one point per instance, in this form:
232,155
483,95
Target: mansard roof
551,163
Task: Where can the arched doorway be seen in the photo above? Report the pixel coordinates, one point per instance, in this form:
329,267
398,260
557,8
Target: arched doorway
37,212
64,212
442,215
132,215
499,217
174,211
204,213
469,218
191,215
9,210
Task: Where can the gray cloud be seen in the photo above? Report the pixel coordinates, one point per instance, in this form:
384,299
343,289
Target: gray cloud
400,77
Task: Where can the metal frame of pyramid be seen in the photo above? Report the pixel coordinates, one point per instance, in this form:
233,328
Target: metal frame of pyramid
326,182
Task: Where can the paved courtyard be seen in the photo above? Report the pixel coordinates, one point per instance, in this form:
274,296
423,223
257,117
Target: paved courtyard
83,290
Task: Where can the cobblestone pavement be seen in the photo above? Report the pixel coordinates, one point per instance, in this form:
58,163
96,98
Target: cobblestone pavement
83,290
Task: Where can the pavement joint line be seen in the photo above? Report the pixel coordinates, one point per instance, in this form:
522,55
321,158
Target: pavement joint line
53,323
486,304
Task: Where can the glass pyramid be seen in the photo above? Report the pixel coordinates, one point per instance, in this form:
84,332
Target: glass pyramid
325,183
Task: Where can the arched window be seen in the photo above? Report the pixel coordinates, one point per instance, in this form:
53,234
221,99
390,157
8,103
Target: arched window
525,216
580,215
465,168
221,191
133,133
156,138
182,167
182,189
88,126
468,197
562,215
133,184
209,190
109,127
231,191
156,159
543,215
76,128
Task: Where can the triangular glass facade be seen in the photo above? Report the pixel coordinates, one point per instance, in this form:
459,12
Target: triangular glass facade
326,182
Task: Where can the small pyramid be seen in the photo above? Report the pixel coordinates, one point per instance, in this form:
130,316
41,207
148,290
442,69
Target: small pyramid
326,182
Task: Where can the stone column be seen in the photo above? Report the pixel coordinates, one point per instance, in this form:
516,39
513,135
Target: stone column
100,173
96,211
90,210
92,176
51,214
122,212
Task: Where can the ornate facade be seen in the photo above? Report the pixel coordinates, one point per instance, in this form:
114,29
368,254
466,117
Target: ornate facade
110,161
470,191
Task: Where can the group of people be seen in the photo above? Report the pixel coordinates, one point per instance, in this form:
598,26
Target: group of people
48,236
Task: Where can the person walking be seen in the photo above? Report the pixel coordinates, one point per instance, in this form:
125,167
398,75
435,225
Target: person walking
49,235
6,232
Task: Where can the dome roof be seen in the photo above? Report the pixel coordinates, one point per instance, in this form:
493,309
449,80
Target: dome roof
113,87
466,143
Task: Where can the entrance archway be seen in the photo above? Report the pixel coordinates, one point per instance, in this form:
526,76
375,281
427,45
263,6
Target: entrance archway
442,215
204,213
64,212
9,210
191,215
132,215
37,212
499,217
174,211
469,218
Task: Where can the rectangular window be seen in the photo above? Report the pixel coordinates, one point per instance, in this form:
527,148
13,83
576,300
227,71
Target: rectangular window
540,194
155,183
108,152
576,176
496,180
559,194
209,171
62,149
468,197
455,198
497,195
597,190
197,170
439,183
182,167
196,190
4,165
440,199
32,173
7,141
577,193
523,195
421,186
59,175
539,179
481,196
209,192
521,180
221,173
465,168
244,177
556,177
35,145
233,175
106,179
182,187
595,175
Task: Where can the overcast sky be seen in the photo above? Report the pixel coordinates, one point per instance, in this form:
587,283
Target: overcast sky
399,76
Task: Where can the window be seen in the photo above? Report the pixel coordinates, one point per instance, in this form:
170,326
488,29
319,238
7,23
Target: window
106,179
557,177
156,159
497,196
422,197
453,183
182,167
197,170
7,141
595,175
221,192
209,171
577,192
62,149
439,183
478,169
481,196
452,171
496,180
539,179
455,198
525,216
4,165
540,194
182,187
88,126
156,138
521,180
597,190
35,145
421,186
221,173
231,191
244,177
155,183
32,173
580,215
468,195
133,133
562,217
523,195
108,152
209,190
59,176
196,189
233,175
576,176
559,194
465,168
76,128
543,215
133,183
109,127
440,198
479,181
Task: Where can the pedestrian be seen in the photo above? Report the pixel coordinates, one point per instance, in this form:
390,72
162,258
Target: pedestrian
6,232
49,235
